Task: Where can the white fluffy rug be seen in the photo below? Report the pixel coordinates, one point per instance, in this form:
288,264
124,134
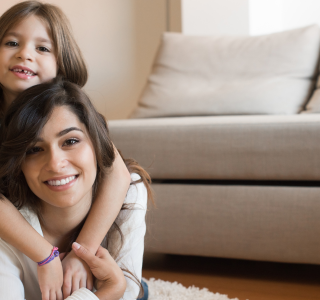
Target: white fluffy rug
165,290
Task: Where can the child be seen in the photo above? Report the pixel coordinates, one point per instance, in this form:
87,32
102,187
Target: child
36,45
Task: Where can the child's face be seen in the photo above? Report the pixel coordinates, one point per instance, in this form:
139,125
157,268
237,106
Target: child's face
27,57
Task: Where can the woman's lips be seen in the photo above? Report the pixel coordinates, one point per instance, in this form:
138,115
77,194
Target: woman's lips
59,188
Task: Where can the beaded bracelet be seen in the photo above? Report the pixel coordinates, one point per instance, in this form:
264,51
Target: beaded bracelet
54,253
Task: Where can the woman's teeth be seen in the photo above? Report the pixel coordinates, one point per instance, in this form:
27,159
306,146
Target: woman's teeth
62,181
23,71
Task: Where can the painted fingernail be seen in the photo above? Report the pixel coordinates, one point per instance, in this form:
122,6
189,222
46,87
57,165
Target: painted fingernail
76,245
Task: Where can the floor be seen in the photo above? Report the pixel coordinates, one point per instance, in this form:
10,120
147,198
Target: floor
237,278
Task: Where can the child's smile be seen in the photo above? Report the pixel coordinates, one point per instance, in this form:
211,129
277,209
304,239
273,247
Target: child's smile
27,57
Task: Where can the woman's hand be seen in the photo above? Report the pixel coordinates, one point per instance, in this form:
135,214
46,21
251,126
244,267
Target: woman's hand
76,274
110,283
50,277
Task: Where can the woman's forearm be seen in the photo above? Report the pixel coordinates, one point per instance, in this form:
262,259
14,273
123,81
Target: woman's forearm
106,207
15,230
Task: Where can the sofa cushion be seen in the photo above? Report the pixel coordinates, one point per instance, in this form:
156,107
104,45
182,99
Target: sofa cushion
313,106
195,75
223,147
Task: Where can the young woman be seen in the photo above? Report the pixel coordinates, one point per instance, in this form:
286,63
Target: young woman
55,154
36,45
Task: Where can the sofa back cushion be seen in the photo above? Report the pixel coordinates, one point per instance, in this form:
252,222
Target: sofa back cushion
313,106
223,75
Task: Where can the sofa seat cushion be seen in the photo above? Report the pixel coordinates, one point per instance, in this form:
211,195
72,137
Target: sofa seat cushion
264,147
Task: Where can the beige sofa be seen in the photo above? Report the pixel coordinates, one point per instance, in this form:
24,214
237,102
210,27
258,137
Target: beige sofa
232,180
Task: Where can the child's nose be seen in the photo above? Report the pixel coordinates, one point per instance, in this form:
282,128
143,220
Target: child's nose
25,53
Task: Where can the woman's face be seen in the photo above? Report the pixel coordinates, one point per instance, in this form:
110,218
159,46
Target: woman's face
61,168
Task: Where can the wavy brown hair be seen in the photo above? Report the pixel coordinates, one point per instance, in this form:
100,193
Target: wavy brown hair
70,61
23,124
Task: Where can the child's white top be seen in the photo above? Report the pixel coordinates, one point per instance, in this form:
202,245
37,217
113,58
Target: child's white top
18,273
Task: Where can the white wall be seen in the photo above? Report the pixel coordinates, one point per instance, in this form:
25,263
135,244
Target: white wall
243,17
206,17
267,16
119,39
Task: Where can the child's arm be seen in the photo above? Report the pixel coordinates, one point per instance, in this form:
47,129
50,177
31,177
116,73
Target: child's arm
15,230
103,212
106,207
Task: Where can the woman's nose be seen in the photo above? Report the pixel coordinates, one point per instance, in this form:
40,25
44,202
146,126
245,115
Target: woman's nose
25,53
56,161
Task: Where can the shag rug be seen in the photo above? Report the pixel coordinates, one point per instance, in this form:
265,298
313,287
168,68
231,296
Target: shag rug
165,290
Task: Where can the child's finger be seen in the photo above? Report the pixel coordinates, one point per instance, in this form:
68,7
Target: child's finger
90,282
59,295
45,295
67,285
75,283
83,282
53,295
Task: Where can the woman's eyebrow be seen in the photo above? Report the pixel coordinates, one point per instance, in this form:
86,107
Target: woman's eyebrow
65,131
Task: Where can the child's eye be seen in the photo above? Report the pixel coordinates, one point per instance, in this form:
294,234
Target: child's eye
71,142
33,150
43,49
12,44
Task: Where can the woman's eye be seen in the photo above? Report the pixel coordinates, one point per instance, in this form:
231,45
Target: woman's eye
43,49
12,44
71,142
33,150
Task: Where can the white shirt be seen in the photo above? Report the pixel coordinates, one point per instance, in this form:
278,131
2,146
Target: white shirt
18,273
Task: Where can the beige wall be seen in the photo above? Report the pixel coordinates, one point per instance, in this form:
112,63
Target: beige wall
119,39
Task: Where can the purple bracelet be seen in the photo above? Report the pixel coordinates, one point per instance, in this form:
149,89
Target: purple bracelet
54,253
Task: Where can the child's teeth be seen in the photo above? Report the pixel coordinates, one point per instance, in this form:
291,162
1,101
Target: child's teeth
23,71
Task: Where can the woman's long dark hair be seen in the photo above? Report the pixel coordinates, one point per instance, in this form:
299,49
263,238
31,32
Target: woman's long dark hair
23,124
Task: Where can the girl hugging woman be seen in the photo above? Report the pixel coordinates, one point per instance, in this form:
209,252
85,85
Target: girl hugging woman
55,154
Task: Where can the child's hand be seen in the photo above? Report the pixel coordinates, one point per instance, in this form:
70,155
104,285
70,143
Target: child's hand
50,277
76,274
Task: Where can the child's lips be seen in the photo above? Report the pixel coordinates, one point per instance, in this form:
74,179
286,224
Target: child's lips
23,72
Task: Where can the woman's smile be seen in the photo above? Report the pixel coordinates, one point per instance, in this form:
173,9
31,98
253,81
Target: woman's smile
60,168
62,184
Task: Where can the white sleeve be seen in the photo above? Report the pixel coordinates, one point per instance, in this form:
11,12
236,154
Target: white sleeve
133,226
82,294
11,274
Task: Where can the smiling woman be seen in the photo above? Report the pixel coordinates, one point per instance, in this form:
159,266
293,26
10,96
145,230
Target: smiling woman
63,152
55,151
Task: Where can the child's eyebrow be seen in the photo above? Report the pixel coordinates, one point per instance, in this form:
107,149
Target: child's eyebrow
18,35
